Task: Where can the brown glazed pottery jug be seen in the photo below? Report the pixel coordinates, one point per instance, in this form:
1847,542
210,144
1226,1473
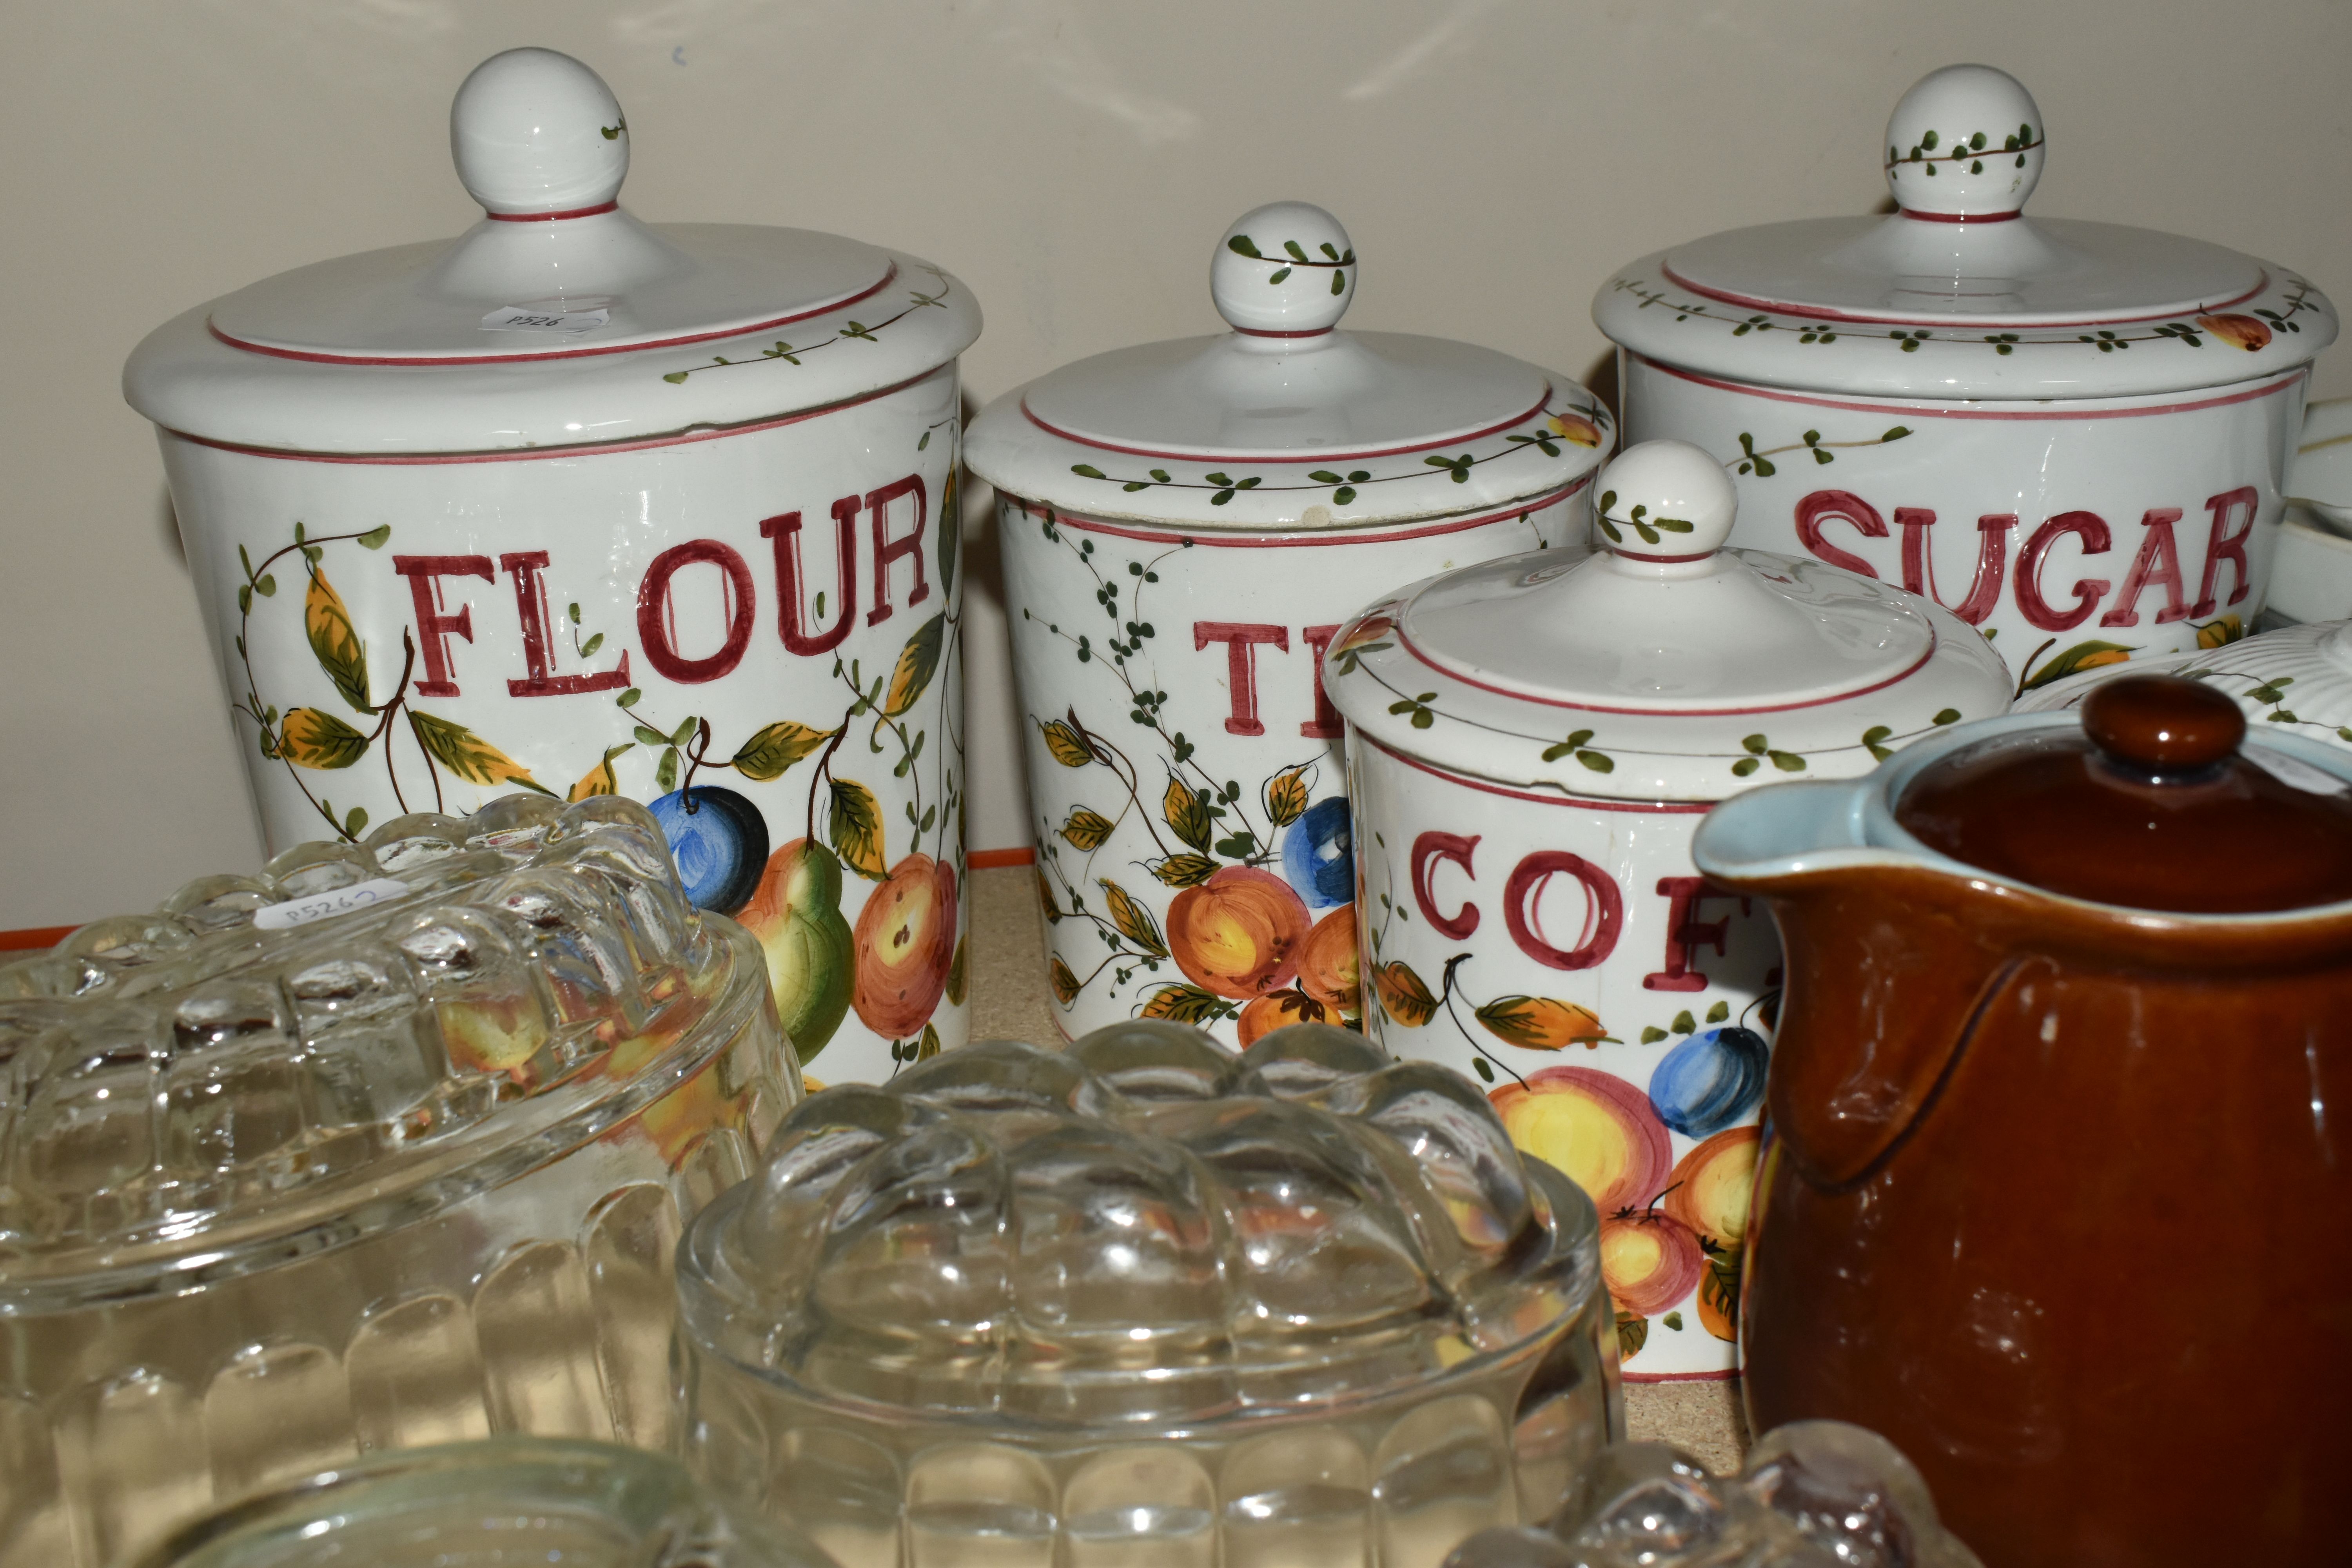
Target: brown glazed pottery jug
2057,1192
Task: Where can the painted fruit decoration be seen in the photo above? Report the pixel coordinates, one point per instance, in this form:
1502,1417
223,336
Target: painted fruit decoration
1709,1194
1592,1127
720,841
1710,1080
1238,934
1316,857
1651,1261
796,914
905,939
1326,962
1278,1009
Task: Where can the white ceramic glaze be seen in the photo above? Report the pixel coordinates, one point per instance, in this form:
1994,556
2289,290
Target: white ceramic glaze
2321,479
2296,681
690,527
1184,525
1531,743
2074,434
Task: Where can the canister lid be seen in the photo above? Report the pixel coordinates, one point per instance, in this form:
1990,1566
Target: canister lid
559,319
1287,421
1664,667
2149,804
1958,294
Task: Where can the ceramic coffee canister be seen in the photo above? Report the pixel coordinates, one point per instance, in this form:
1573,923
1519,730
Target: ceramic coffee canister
1184,526
1530,743
2075,435
586,505
2056,1191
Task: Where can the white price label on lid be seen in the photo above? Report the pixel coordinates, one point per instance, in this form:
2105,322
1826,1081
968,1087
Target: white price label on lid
533,318
326,906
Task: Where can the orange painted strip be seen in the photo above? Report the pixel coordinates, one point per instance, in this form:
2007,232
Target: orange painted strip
989,860
33,936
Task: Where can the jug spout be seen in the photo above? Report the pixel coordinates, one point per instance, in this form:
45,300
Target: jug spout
1888,960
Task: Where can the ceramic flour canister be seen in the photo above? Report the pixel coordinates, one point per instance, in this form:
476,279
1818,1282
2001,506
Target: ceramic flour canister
1530,744
586,505
1184,525
2057,1184
2075,435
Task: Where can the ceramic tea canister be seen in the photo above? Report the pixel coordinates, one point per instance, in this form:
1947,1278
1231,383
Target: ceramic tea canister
1530,744
2075,435
1184,526
586,505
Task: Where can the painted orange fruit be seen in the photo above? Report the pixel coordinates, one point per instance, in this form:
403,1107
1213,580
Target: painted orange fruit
1576,429
1277,1009
1650,1262
1709,1188
1595,1128
1238,934
905,936
1326,961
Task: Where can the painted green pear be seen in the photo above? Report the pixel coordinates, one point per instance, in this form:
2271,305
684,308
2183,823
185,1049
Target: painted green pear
796,915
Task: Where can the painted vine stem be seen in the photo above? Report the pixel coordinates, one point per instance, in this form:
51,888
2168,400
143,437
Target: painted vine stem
791,353
1575,426
1208,823
315,740
2239,330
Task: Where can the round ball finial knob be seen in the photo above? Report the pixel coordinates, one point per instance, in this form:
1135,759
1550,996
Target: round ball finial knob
1965,144
535,133
1284,270
2152,726
1664,500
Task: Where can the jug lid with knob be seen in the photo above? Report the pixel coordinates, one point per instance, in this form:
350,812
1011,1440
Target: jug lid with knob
1289,420
2151,802
1666,667
559,319
1957,293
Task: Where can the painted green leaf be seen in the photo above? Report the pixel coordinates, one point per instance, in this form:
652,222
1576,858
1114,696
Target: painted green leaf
1185,1005
772,748
335,644
313,738
918,662
1185,871
1133,921
467,755
374,538
855,827
1187,814
2086,655
1085,829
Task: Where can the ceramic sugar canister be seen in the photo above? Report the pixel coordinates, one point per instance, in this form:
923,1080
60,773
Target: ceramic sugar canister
1530,744
586,505
2075,435
1184,526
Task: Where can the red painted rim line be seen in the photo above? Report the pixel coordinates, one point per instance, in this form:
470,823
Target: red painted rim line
990,859
1258,540
1825,313
529,454
1591,802
1964,217
426,361
551,217
1900,675
2286,379
1321,459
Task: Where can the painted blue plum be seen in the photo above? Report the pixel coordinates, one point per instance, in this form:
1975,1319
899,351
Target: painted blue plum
1710,1080
720,841
1316,859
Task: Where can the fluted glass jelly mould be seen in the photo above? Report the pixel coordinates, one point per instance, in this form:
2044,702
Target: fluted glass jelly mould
272,1195
1148,1300
490,1504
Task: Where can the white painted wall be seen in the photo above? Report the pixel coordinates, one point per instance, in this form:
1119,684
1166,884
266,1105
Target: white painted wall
1072,159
